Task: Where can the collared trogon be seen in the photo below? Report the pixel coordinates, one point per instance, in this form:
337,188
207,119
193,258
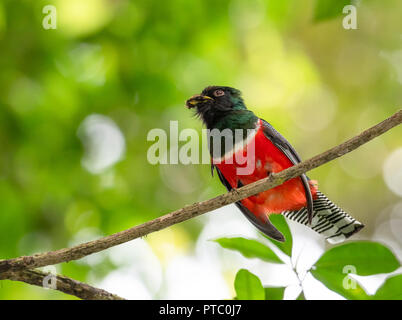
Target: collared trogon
258,150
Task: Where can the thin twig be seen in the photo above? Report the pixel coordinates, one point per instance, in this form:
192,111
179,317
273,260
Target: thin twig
196,209
59,283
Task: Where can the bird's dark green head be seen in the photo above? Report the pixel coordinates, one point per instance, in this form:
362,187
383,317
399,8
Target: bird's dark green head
216,103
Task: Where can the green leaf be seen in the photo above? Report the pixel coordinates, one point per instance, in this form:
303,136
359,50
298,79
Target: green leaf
280,223
274,293
341,283
301,296
363,258
327,9
249,248
248,286
368,258
391,289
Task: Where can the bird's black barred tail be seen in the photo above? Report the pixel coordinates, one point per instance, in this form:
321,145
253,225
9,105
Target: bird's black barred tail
328,219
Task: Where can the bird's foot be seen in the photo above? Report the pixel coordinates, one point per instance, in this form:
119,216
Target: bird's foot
235,191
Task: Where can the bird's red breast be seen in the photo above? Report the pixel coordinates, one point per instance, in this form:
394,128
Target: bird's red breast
267,158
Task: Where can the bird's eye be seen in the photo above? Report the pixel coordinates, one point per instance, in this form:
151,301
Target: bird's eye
218,93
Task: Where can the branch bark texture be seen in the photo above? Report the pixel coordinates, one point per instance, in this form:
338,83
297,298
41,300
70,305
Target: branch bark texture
61,283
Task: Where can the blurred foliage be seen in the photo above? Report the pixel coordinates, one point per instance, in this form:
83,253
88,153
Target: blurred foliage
326,9
76,104
332,269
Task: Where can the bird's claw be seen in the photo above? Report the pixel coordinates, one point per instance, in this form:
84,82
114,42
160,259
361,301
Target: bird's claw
235,191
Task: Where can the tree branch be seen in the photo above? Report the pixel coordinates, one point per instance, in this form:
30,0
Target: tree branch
196,209
61,283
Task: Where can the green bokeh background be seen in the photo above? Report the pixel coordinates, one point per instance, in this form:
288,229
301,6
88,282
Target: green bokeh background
136,62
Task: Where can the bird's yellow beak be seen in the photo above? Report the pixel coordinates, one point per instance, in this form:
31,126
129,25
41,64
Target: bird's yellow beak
194,100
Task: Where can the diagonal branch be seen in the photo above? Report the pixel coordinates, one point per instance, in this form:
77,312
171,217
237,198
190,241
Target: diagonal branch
196,209
61,283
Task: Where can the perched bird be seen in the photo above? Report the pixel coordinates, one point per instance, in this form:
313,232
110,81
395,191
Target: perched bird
222,109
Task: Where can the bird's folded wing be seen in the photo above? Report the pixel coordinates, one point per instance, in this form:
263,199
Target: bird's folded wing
280,142
263,224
